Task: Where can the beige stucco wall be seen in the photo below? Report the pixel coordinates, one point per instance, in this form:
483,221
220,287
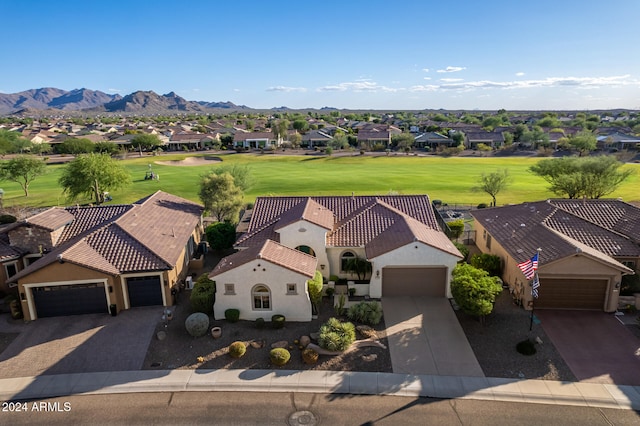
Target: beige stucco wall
415,254
294,307
334,254
303,233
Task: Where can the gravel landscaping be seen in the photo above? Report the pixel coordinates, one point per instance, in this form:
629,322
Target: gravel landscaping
494,344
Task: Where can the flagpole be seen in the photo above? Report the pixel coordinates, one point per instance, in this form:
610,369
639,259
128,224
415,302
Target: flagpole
533,299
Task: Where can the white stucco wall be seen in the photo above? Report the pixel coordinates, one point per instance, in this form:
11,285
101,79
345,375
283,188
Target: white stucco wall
295,307
303,233
414,254
334,254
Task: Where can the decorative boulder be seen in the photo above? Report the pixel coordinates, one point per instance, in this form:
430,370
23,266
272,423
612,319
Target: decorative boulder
304,341
280,344
197,324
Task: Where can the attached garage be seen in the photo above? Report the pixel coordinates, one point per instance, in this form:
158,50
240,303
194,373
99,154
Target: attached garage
79,299
572,294
414,281
144,291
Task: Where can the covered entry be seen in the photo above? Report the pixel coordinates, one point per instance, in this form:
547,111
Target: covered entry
78,299
144,291
414,281
571,294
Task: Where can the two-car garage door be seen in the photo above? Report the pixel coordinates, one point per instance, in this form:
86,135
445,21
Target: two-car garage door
414,281
52,301
571,294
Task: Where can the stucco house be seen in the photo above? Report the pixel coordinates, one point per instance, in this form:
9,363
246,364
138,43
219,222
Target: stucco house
79,260
294,236
587,246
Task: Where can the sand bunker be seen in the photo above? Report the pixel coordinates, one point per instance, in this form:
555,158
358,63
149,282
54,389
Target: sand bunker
191,161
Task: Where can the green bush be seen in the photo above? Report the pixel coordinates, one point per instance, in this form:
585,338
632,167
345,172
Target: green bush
487,262
260,323
277,321
474,290
232,315
279,356
221,235
7,218
456,227
369,313
336,336
203,295
329,291
464,250
237,349
526,347
333,278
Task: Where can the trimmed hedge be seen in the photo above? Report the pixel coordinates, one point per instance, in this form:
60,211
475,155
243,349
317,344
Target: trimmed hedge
232,315
277,321
203,295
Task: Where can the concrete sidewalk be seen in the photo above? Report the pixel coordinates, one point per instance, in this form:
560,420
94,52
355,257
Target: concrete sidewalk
327,382
425,337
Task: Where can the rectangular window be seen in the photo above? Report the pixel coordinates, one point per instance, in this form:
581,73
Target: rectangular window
484,234
229,289
261,302
11,269
291,289
629,264
488,241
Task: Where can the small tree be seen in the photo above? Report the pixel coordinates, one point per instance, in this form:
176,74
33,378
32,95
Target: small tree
221,235
474,290
221,197
358,266
22,170
314,287
76,146
584,142
487,262
493,183
203,295
145,141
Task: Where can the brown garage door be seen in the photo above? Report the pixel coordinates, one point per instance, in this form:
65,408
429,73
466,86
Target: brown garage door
414,282
571,294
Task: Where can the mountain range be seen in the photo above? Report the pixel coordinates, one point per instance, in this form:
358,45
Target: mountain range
49,100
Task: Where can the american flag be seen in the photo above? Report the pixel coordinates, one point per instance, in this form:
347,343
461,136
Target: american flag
535,285
529,267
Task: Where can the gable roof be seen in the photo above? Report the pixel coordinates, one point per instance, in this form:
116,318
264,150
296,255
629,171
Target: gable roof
148,235
51,219
272,252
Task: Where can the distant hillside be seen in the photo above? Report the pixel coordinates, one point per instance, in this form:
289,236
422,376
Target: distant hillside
49,99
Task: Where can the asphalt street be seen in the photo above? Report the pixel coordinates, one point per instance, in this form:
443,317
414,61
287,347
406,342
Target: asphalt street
249,408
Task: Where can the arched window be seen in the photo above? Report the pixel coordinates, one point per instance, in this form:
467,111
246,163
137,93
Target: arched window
261,298
346,257
306,249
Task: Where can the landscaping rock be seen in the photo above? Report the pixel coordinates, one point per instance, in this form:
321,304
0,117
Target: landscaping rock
369,358
197,324
281,344
367,331
257,344
314,336
304,341
161,335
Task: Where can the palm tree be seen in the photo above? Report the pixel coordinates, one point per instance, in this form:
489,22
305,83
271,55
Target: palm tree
359,266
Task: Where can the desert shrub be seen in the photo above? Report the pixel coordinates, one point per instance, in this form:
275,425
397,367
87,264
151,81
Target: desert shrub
379,147
339,308
260,323
336,336
329,291
237,349
464,250
203,295
484,147
456,227
7,218
232,315
487,262
369,313
328,150
309,356
279,356
526,347
277,321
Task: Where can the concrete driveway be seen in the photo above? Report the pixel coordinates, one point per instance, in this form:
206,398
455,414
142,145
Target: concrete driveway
595,346
425,337
79,343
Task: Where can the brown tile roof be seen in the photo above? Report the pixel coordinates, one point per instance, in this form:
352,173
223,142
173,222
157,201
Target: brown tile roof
272,252
240,136
51,219
308,210
357,220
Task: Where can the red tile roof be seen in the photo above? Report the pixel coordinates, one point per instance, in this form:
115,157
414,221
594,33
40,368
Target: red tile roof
51,219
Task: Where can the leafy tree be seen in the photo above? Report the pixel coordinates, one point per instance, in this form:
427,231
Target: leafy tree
535,137
493,183
487,262
75,146
358,266
92,175
221,235
41,148
474,290
339,141
403,141
280,128
106,147
221,196
301,125
145,141
241,174
458,138
314,286
584,141
22,169
464,250
575,177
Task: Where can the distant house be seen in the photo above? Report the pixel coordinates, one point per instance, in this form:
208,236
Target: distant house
492,139
80,260
371,135
316,138
289,238
255,140
433,140
619,141
586,248
189,140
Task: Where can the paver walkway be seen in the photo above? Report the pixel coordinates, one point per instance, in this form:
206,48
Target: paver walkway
425,337
595,346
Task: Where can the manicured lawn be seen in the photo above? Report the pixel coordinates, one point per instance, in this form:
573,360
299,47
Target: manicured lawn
446,179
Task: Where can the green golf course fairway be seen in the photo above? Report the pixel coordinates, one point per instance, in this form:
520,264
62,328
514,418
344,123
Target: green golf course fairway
448,179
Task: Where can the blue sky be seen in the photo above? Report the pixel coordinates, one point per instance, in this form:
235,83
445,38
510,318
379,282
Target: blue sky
562,54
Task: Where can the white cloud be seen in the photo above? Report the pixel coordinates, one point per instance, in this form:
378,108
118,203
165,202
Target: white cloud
114,90
357,86
452,69
427,78
451,80
579,82
424,88
519,74
286,89
425,69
